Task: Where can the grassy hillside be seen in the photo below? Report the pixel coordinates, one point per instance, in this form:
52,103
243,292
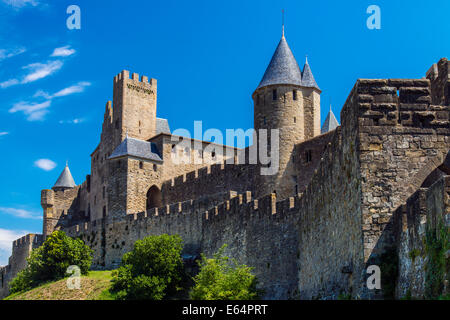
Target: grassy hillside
93,287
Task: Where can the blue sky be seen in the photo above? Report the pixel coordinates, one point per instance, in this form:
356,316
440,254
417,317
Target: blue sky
208,57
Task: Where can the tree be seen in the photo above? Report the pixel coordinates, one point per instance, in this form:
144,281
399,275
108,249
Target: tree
50,261
222,278
152,270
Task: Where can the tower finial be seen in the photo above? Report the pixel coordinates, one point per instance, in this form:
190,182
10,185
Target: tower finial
67,163
282,23
306,59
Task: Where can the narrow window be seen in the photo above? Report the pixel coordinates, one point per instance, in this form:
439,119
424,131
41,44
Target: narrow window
141,165
294,95
104,211
308,156
88,183
213,154
155,167
104,189
117,124
295,120
274,94
265,120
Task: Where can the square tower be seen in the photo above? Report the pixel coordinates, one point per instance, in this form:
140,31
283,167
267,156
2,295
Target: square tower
134,107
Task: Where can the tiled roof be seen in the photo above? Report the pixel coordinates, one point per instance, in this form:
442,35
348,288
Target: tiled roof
137,148
330,123
65,179
283,68
162,126
307,77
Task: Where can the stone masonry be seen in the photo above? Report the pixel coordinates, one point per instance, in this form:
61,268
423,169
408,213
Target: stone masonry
340,201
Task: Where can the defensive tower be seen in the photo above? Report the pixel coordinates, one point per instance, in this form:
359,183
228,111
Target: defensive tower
286,99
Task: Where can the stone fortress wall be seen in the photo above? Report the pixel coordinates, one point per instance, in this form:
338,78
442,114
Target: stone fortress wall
21,250
344,215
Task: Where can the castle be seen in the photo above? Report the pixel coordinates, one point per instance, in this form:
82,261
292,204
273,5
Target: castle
343,198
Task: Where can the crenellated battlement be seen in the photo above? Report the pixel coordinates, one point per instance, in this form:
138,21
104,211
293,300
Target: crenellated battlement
47,197
210,179
308,238
27,240
405,102
125,75
204,172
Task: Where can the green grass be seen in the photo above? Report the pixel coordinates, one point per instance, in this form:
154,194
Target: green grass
94,286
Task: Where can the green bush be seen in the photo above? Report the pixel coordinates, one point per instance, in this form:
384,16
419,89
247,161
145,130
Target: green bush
222,278
152,270
50,261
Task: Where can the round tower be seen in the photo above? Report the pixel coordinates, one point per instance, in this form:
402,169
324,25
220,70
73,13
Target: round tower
284,103
65,180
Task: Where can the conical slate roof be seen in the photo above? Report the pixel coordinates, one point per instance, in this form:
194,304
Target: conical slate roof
283,68
307,77
162,126
65,179
330,123
137,148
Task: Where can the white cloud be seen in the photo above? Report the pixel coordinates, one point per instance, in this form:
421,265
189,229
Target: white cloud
63,52
37,116
5,54
41,70
8,83
18,4
21,213
6,239
37,111
34,111
45,164
73,121
37,70
42,93
79,87
4,133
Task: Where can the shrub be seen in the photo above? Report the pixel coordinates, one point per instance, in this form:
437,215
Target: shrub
222,278
50,261
152,270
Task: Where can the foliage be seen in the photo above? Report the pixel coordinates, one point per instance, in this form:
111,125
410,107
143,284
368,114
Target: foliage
437,267
344,296
222,278
152,270
50,261
94,286
413,254
389,269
